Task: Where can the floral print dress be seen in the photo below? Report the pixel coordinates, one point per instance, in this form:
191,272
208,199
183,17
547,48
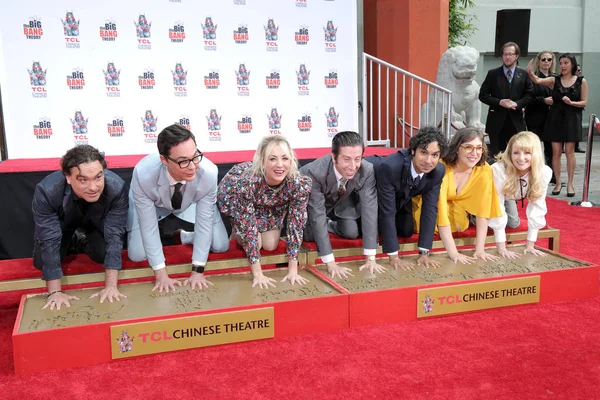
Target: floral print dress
256,207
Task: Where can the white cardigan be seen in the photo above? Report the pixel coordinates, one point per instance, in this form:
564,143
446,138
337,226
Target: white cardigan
536,210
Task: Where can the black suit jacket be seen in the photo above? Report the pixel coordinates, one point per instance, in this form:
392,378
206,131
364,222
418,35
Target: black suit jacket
495,87
394,192
55,211
537,111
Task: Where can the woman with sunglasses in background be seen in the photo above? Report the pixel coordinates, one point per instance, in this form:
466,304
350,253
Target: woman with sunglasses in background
569,97
520,173
537,111
467,190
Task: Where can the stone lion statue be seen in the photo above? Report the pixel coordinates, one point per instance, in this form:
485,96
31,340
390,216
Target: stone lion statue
456,72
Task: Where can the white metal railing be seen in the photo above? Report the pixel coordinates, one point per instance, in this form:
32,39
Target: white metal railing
433,110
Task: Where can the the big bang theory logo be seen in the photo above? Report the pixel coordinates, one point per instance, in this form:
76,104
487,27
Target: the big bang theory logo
245,124
108,31
116,127
33,29
43,130
177,33
76,80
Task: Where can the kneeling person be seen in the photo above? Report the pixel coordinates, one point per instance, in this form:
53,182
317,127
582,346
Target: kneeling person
177,186
402,176
343,194
81,208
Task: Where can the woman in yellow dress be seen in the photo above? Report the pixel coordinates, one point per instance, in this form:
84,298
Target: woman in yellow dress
468,189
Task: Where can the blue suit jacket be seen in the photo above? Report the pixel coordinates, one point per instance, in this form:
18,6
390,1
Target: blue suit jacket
150,196
54,210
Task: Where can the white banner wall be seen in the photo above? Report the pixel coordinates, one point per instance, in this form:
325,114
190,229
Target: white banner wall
115,73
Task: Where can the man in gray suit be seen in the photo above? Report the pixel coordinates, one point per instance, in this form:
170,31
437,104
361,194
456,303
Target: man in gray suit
178,185
343,192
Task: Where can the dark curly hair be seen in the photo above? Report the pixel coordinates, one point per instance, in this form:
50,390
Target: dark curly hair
426,135
81,154
461,136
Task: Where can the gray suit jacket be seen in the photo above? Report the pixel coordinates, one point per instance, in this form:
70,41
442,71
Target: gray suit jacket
359,201
150,194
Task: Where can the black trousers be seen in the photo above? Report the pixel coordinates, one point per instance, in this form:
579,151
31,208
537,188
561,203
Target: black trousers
93,245
167,227
405,225
499,141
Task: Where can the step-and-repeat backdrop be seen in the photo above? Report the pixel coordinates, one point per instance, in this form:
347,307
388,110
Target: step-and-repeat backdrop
115,73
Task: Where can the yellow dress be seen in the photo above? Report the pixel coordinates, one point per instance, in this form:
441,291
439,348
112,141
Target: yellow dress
478,197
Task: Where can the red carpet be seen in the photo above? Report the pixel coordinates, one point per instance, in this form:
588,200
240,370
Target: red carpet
545,351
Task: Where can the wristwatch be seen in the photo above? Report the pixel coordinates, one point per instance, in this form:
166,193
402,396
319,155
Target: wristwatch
370,258
423,252
198,268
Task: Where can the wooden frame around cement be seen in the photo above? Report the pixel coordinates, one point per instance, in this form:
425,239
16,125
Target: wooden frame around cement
305,257
552,234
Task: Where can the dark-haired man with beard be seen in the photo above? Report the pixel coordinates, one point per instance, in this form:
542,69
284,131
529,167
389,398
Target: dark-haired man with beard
506,90
82,208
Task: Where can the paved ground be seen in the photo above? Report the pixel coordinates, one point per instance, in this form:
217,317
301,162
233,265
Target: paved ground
594,186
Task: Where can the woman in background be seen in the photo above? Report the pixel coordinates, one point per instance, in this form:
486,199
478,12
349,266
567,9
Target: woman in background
569,97
520,173
258,196
537,111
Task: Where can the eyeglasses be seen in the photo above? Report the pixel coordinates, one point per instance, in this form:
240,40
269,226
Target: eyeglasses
470,149
545,59
509,54
186,163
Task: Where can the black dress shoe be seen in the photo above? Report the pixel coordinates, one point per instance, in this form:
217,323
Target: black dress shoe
557,192
571,194
177,236
578,150
78,243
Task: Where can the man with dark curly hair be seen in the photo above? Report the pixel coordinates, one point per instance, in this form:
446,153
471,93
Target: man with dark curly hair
80,209
402,176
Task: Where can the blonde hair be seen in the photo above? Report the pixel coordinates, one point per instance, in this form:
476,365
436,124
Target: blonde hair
529,142
264,149
536,64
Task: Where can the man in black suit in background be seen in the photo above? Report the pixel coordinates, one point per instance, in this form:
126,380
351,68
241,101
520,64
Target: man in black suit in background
83,207
506,90
400,177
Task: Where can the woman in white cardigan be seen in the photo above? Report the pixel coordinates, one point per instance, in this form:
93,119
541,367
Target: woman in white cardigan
520,173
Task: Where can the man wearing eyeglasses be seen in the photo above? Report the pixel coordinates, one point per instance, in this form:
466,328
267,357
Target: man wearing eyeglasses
506,90
173,197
